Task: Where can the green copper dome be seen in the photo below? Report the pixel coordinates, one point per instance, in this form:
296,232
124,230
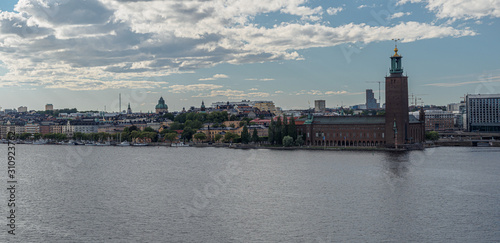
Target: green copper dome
161,104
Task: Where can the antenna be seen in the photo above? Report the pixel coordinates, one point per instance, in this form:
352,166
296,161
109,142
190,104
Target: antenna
120,102
396,41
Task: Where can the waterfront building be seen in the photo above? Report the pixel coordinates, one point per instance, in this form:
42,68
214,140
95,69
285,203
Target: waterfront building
371,102
262,131
49,107
161,107
319,106
32,128
438,120
56,128
483,112
236,124
20,129
210,132
395,128
6,128
459,111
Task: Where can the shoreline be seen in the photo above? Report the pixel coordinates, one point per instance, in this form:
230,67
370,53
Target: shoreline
484,143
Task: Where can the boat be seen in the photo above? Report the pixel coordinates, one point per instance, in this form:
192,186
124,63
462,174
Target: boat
41,141
124,143
139,144
181,144
90,144
103,144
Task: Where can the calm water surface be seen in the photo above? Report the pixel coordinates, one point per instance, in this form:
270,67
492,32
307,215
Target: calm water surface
159,194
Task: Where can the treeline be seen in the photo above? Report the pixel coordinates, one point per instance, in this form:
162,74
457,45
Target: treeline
190,122
132,132
284,132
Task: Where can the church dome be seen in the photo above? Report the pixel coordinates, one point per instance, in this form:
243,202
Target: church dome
161,104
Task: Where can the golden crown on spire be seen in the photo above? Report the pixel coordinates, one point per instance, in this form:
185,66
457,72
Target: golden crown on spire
396,52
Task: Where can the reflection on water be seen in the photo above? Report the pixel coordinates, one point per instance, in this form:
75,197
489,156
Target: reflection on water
397,163
139,194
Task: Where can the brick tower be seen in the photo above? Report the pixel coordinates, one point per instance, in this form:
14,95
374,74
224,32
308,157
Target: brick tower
396,103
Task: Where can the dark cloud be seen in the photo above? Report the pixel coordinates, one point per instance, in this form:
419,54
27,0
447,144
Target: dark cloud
11,23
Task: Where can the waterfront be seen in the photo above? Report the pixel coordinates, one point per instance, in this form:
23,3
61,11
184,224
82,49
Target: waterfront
163,194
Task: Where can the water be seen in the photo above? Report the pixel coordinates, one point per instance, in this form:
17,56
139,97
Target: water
159,194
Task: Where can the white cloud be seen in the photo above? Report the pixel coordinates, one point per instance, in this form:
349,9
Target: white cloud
215,77
399,15
460,9
334,11
99,41
366,6
253,89
319,93
483,80
278,92
233,94
260,79
178,88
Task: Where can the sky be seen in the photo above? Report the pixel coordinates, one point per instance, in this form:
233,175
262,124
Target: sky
83,54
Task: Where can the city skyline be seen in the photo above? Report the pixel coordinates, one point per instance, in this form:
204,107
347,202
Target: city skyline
83,54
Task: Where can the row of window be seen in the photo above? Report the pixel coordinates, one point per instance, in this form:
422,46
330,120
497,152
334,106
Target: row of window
353,135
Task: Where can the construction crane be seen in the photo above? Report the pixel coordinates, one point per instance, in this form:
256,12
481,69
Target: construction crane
414,98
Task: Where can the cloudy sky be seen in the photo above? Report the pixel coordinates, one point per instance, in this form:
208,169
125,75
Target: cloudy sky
84,53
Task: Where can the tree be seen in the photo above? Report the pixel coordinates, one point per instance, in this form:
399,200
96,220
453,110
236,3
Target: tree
292,129
233,118
78,136
200,136
171,136
287,141
169,116
217,137
432,135
230,137
278,135
37,136
245,135
299,141
135,134
24,136
149,129
176,126
271,132
255,136
284,128
188,133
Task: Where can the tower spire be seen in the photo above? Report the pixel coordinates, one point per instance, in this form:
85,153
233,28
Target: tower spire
396,65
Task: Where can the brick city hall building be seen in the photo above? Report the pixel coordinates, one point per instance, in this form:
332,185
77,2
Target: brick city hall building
397,128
